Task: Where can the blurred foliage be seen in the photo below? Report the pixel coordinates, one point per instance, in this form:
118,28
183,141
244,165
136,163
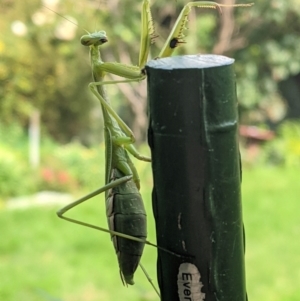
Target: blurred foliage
282,150
44,66
273,42
285,149
65,168
15,176
69,168
73,167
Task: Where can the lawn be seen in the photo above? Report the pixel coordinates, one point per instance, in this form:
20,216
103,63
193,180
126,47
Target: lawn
271,200
44,258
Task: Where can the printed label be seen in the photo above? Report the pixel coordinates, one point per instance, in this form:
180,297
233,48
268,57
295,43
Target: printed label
189,284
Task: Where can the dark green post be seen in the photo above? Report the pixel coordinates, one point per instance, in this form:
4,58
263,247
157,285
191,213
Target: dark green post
193,136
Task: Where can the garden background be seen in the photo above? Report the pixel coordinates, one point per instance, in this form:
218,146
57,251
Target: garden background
44,74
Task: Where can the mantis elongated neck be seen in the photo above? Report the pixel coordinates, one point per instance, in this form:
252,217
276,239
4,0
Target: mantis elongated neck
98,76
98,73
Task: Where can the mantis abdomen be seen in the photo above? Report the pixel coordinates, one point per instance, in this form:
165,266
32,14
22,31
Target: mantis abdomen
126,214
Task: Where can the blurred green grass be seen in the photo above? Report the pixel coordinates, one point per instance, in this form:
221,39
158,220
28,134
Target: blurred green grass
271,215
44,258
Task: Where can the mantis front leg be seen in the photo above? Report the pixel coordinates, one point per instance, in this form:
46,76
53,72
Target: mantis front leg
175,39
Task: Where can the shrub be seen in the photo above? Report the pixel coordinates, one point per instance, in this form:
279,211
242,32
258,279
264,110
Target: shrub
285,148
15,177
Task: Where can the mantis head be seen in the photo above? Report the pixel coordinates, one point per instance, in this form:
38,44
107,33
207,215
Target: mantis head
94,39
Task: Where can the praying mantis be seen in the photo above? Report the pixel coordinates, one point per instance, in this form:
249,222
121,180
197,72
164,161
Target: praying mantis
124,206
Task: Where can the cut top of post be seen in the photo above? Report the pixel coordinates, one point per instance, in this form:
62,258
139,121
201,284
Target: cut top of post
191,61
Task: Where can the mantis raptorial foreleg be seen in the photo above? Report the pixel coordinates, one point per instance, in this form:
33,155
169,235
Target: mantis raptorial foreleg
175,39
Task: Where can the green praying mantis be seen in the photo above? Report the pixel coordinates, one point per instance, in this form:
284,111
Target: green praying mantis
124,206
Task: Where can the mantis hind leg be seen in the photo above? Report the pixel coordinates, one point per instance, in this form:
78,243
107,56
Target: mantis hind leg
149,279
60,213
